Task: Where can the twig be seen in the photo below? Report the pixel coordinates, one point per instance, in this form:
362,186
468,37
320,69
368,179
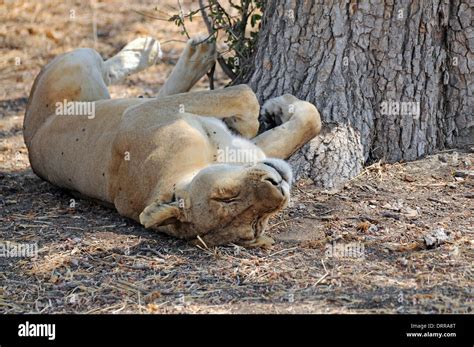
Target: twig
282,222
181,16
282,251
227,70
94,22
150,16
438,201
202,241
323,276
210,75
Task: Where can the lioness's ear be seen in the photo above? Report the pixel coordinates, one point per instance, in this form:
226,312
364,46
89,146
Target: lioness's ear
160,214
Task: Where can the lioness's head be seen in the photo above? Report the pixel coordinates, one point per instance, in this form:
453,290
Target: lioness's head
225,203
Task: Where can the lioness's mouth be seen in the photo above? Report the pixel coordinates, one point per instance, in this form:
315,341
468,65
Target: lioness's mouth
258,226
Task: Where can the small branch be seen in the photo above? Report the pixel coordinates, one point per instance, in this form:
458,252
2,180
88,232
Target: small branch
209,25
205,17
181,16
227,70
94,22
323,276
210,75
150,16
168,41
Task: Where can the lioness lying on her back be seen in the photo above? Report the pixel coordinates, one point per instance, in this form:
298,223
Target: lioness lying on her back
168,162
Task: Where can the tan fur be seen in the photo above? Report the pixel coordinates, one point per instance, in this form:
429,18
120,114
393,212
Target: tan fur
155,159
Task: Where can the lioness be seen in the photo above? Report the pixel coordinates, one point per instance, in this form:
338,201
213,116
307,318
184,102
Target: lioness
159,160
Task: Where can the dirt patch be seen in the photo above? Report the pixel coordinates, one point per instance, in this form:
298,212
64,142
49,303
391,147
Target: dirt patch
360,249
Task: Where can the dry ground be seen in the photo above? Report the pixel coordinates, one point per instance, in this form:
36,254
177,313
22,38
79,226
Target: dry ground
92,260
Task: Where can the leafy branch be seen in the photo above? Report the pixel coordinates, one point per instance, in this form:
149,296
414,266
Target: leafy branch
239,29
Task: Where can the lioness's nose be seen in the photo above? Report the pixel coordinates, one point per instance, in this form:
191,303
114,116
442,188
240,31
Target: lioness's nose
282,168
276,184
273,181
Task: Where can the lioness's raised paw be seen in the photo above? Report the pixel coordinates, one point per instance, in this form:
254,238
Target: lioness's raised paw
197,58
199,55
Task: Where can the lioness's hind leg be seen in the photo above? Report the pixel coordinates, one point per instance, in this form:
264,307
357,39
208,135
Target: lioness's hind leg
300,122
134,57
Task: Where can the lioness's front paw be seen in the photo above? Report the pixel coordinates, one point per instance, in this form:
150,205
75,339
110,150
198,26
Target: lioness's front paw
280,109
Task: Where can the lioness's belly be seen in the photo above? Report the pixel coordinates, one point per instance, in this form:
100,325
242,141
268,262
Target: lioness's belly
74,151
88,154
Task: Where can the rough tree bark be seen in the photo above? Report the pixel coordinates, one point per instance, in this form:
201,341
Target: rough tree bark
352,59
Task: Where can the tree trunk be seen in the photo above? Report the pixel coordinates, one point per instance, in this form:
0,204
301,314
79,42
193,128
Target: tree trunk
391,79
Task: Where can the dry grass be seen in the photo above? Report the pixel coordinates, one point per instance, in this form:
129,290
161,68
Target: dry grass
91,260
